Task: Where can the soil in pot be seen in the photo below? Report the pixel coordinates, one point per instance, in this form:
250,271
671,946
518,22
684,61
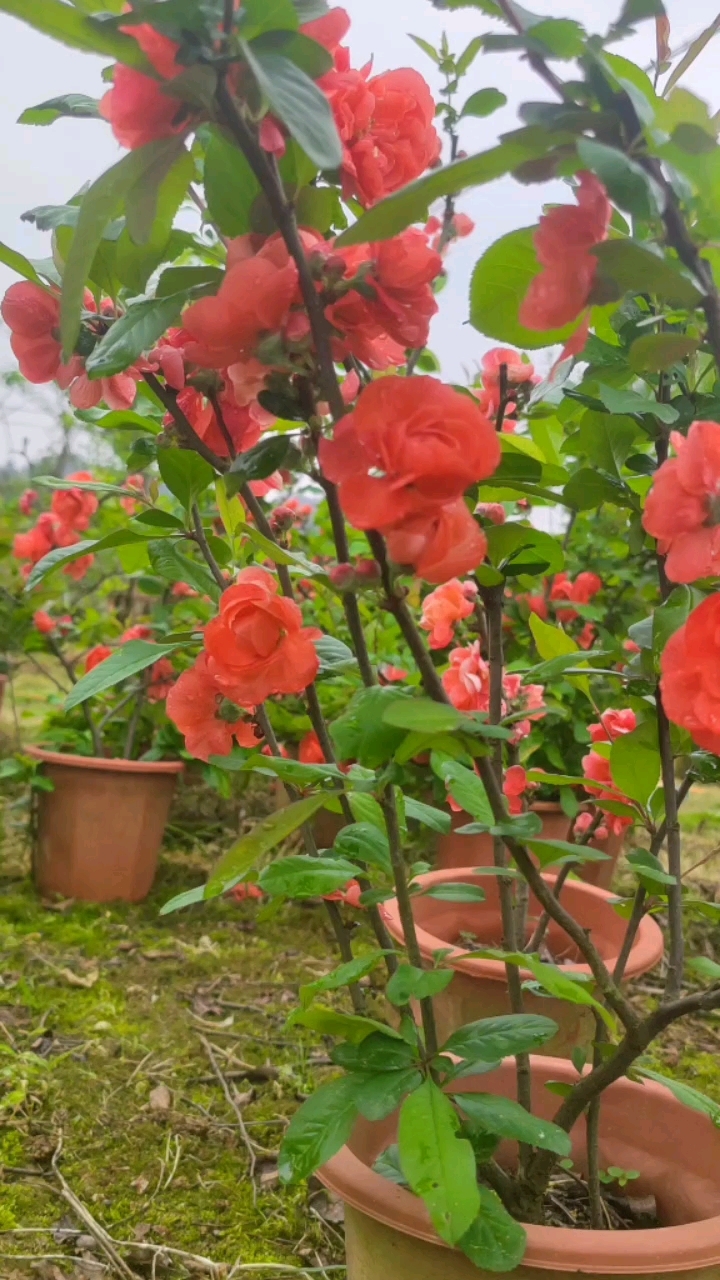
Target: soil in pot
99,831
479,987
455,850
643,1128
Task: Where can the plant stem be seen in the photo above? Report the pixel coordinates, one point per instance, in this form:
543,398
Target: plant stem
188,434
676,950
95,734
133,725
217,408
542,924
592,1125
350,601
406,915
395,602
512,937
636,919
207,554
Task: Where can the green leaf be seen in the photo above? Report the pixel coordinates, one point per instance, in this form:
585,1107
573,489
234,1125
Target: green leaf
189,898
362,842
151,206
366,809
344,976
265,835
468,56
499,284
293,770
439,1166
562,37
18,262
635,267
589,488
100,204
616,401
562,984
409,983
638,10
300,104
377,1096
360,734
426,48
512,546
483,103
133,657
422,714
635,762
184,279
649,871
231,187
185,473
69,27
492,1039
658,351
318,1130
267,15
302,876
627,183
411,204
436,819
704,967
375,1052
605,439
684,1093
65,555
459,892
553,853
257,463
329,1022
508,1119
169,563
495,1241
76,105
335,656
467,790
134,333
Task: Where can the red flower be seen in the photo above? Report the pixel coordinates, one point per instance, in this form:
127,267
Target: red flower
75,508
613,724
443,608
350,895
253,301
78,568
587,636
194,705
136,107
36,543
182,590
329,30
139,632
690,663
129,505
246,892
392,675
517,370
386,126
310,750
118,392
162,679
492,511
43,622
27,501
514,786
467,679
32,315
683,507
428,441
258,646
563,241
581,591
95,656
439,544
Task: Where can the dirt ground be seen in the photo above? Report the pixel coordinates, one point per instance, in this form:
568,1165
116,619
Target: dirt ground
146,1069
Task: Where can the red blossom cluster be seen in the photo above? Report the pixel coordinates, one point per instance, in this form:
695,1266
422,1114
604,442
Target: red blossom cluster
403,460
683,507
504,374
71,511
563,240
467,684
613,724
690,664
444,607
137,107
255,648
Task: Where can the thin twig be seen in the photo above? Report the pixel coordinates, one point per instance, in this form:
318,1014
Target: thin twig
188,434
676,950
251,1147
94,1228
134,724
203,545
70,671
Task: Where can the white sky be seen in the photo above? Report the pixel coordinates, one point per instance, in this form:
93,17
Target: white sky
47,165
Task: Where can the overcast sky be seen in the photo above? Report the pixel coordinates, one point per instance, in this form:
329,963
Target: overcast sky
47,165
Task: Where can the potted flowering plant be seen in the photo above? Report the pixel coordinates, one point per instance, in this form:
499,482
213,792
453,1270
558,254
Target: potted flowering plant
310,302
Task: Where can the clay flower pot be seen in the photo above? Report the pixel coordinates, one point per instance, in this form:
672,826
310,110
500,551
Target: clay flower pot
454,850
642,1126
479,988
99,832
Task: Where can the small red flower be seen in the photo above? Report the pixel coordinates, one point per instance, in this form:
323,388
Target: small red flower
442,609
310,750
32,315
194,705
43,622
683,507
95,656
75,508
140,631
563,241
27,501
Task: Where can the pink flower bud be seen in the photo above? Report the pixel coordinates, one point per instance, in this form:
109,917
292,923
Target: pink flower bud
368,570
342,576
492,511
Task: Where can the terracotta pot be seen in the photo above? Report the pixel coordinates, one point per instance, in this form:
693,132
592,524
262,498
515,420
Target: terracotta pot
99,832
642,1126
454,850
479,988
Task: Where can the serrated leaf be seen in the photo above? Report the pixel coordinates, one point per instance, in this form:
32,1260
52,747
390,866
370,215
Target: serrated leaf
70,27
185,473
302,876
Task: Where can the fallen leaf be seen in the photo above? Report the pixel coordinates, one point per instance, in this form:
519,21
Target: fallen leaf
161,955
84,980
141,1185
160,1099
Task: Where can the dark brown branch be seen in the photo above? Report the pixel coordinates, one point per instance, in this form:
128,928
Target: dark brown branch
349,598
202,542
69,670
217,408
396,604
188,434
676,956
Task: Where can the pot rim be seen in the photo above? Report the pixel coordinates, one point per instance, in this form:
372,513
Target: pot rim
648,1251
110,765
647,949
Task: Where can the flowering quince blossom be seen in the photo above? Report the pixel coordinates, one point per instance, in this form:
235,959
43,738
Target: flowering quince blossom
518,373
444,607
32,314
583,823
350,895
162,679
95,656
467,684
690,664
70,515
27,501
613,724
258,646
386,126
310,750
581,591
402,460
137,483
563,241
137,108
459,227
392,675
682,509
514,786
492,511
43,622
140,631
243,423
75,508
195,706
